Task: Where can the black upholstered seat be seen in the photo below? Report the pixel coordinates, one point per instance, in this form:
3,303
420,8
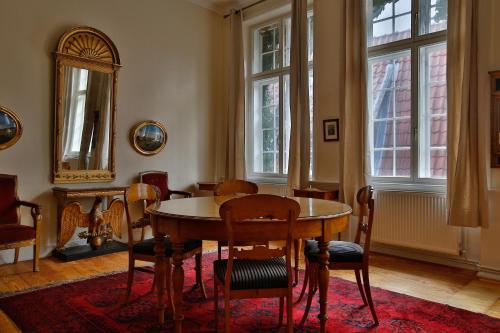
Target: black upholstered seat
254,274
147,247
339,251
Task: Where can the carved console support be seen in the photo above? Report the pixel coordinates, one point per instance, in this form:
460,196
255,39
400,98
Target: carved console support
75,218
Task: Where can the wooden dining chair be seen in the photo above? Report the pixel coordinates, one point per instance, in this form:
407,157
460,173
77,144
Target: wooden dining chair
260,271
229,187
345,255
144,249
13,234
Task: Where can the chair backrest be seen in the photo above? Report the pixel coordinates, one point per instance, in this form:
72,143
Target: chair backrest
256,209
9,210
158,179
365,219
143,193
234,186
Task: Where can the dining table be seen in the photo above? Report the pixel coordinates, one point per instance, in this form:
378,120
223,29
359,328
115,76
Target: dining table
198,218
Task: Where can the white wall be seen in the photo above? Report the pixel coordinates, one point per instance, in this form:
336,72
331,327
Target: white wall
171,66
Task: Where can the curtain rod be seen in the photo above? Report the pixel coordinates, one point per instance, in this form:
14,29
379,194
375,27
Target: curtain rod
249,6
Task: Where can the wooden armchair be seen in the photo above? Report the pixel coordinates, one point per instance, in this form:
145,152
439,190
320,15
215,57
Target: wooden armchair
14,235
160,180
261,271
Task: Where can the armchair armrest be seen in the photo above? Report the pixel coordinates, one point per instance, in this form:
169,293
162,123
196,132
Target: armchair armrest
185,194
35,212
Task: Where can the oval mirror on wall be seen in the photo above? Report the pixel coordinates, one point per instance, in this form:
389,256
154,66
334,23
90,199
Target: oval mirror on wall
10,128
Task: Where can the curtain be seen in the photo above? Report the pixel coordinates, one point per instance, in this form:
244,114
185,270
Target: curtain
467,180
353,113
299,151
233,122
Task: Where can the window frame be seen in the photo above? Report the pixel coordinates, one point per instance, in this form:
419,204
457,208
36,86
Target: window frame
250,79
413,44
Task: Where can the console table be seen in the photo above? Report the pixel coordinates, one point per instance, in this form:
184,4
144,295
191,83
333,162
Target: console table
66,228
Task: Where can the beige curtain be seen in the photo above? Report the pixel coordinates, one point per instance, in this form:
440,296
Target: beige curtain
353,114
467,180
299,151
233,120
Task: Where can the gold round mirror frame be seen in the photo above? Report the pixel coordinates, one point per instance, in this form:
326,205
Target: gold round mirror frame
134,135
19,128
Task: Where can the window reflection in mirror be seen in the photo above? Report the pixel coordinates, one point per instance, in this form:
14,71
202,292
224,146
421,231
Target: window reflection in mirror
86,118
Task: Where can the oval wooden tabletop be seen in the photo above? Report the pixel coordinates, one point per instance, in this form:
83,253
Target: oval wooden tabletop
207,208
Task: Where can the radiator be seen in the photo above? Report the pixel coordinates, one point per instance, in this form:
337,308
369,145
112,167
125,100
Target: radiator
414,220
276,189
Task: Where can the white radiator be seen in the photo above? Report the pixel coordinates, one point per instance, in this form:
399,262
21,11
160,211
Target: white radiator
415,220
276,189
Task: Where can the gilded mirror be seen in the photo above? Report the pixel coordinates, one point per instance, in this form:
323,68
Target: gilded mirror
10,128
87,64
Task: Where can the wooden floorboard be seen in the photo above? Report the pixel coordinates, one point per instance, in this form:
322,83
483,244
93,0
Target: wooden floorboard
453,286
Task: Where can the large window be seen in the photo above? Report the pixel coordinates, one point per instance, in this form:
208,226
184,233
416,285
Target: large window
407,90
268,109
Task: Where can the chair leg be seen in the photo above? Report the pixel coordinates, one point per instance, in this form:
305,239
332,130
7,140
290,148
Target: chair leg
36,257
313,281
360,286
16,255
168,281
366,283
130,277
296,247
227,313
219,251
199,277
282,303
216,304
289,310
304,285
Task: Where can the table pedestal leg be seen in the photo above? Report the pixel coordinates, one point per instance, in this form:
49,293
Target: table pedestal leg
160,267
323,277
178,282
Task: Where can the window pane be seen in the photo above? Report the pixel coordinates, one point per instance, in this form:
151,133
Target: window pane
287,26
432,111
266,125
266,48
388,21
433,16
390,114
403,163
383,163
310,36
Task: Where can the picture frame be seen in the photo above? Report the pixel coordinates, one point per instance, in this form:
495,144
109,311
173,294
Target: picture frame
148,137
331,130
11,128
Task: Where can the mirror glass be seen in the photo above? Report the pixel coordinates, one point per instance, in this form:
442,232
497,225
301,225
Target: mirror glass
8,128
86,105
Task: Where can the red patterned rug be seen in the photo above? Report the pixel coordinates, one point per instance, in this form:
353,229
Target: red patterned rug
96,305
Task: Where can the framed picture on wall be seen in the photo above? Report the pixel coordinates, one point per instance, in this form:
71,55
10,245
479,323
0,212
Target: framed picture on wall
331,130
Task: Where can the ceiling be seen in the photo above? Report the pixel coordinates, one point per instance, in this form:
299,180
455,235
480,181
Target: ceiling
222,6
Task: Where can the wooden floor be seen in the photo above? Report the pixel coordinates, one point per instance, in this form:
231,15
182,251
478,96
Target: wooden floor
453,286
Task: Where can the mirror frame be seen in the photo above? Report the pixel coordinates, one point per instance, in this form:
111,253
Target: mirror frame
88,48
19,127
135,130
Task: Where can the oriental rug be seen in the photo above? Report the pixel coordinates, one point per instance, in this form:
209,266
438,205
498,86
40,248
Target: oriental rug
97,305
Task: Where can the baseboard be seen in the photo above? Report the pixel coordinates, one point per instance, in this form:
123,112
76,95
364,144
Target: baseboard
488,273
432,257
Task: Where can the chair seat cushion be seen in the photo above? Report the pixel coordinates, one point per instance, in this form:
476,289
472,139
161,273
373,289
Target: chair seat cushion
254,274
12,233
339,251
147,247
